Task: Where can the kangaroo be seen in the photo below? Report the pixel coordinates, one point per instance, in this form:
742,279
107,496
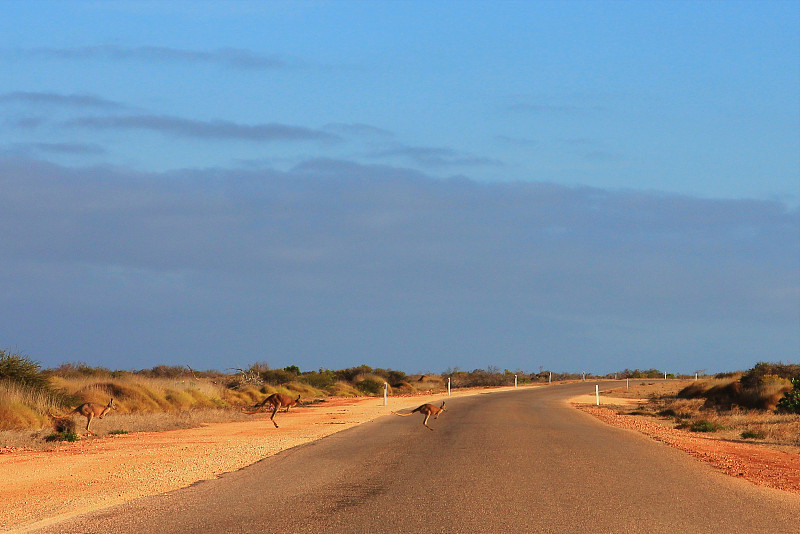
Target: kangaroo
89,410
426,409
277,400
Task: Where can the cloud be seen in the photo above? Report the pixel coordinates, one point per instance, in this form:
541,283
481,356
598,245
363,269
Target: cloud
25,123
61,148
56,99
226,57
217,129
435,157
359,130
335,264
517,141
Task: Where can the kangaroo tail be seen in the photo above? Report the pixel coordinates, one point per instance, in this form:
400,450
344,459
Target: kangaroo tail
403,414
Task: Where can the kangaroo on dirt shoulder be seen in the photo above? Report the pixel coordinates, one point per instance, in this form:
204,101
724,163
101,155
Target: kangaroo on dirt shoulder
276,400
89,410
426,409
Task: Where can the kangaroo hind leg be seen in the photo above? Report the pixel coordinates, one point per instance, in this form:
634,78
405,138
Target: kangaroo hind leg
425,422
89,422
272,417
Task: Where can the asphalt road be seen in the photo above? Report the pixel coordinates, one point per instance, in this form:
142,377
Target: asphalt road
521,461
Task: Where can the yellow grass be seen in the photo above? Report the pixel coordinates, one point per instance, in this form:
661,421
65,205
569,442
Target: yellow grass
780,430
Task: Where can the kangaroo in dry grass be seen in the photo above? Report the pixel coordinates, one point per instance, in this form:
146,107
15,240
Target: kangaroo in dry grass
277,400
89,410
426,409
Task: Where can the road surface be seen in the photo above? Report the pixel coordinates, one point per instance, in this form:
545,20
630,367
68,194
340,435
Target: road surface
518,461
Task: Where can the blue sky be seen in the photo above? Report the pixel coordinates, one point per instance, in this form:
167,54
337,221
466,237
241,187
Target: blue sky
579,186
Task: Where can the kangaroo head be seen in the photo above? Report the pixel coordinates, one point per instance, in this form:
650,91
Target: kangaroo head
442,408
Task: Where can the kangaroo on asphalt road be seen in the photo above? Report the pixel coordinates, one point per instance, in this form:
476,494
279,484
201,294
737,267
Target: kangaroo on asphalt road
426,409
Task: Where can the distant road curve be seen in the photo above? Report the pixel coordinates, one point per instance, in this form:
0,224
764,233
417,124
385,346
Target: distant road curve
518,461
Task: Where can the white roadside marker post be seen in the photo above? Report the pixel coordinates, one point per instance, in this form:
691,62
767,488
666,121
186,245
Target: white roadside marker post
515,380
597,393
550,379
448,386
385,393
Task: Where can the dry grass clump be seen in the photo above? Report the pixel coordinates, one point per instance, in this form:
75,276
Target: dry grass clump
432,383
728,393
243,396
341,388
24,407
139,394
720,406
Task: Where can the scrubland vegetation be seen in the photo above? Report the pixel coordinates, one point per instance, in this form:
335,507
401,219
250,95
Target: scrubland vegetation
761,405
167,397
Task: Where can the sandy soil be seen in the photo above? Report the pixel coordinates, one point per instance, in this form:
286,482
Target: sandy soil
39,488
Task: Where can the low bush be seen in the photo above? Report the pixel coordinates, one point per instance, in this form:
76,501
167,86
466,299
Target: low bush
64,426
704,426
64,436
277,377
320,380
760,388
342,389
369,384
765,373
21,370
790,403
78,369
350,374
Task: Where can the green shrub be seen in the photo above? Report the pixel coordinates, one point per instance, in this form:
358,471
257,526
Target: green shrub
753,434
320,380
370,386
22,370
63,436
350,374
790,403
395,377
163,371
766,372
74,369
704,426
277,377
